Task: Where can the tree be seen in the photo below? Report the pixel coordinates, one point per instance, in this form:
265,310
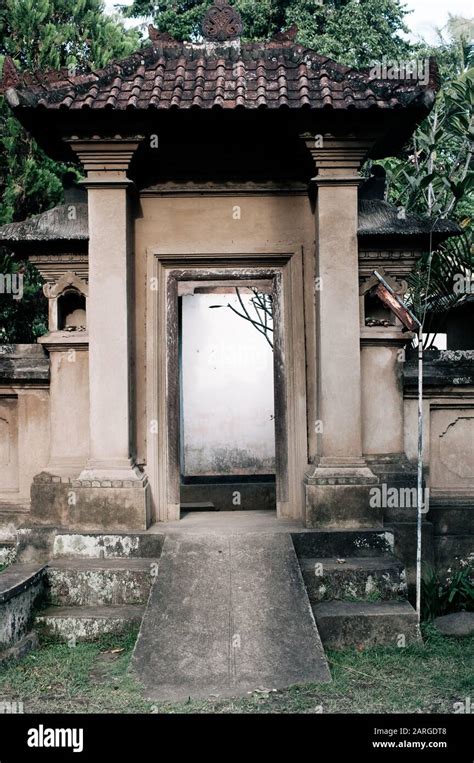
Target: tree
329,28
434,176
48,34
262,316
353,33
43,34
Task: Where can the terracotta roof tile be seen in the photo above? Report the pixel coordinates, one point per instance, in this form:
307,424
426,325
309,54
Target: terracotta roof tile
182,75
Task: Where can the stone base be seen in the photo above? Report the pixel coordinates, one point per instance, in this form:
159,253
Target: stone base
405,535
363,624
20,648
110,505
398,483
88,623
339,499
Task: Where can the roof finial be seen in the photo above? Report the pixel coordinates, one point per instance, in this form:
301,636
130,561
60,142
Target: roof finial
156,36
222,22
10,75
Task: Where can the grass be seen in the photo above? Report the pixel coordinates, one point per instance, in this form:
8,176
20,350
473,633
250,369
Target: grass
93,678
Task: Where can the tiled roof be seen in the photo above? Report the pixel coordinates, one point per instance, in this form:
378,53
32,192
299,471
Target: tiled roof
172,75
56,224
379,218
376,218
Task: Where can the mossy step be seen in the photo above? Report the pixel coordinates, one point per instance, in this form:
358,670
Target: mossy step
353,578
87,623
343,624
343,543
100,582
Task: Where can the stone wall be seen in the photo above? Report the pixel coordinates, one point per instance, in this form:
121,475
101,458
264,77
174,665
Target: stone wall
449,449
24,427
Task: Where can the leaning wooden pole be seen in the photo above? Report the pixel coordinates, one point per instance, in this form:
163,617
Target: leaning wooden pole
419,501
391,300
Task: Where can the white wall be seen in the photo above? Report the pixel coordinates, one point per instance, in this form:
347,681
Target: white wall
227,390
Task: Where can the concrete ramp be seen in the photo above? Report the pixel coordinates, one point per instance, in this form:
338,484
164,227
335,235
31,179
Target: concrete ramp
227,615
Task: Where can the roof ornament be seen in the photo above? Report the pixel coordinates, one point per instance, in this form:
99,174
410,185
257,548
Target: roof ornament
159,37
10,74
222,22
287,35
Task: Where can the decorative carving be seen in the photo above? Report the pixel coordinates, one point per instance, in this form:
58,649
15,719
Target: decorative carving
10,75
455,447
156,36
399,285
5,456
53,266
67,281
397,264
222,22
67,303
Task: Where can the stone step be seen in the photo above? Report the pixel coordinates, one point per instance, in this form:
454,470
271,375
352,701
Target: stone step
11,520
100,582
111,546
87,623
343,543
21,592
250,496
344,624
198,506
353,578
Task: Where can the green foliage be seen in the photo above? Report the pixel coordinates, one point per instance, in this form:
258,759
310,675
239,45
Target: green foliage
23,320
432,294
43,34
455,594
328,28
30,182
262,18
48,34
434,176
353,33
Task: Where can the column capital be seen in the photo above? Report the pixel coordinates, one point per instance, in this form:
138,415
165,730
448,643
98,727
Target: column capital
105,160
337,159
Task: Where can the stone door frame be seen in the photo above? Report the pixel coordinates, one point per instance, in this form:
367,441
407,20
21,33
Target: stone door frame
165,271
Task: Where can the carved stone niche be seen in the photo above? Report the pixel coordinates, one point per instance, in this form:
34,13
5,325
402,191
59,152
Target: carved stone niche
372,312
67,303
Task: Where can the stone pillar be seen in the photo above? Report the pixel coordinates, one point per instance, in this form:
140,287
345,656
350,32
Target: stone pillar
338,484
111,465
106,163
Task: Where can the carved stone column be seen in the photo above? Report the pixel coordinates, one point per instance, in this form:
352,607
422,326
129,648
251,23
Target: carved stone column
337,486
110,466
